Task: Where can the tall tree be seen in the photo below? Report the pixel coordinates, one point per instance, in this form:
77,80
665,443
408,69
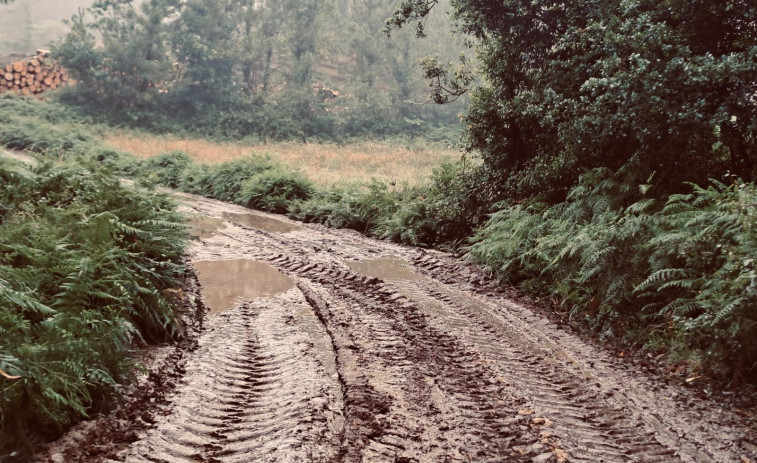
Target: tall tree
133,64
656,86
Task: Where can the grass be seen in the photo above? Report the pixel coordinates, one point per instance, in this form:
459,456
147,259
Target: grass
326,164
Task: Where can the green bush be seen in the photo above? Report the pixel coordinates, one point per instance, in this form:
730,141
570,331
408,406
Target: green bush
84,263
224,181
51,130
677,275
24,127
274,189
442,214
252,181
702,277
359,207
168,168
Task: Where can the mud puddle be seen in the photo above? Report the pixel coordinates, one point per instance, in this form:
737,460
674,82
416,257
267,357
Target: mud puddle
404,279
389,268
226,281
260,222
205,227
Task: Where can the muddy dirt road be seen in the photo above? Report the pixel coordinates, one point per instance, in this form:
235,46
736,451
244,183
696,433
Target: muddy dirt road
326,346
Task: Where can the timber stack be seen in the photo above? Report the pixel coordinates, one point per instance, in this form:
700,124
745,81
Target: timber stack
32,75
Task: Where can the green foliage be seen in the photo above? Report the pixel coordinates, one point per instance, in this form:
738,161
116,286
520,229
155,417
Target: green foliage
83,266
659,86
682,272
359,207
274,190
442,214
224,181
702,273
50,130
168,168
252,181
274,70
26,124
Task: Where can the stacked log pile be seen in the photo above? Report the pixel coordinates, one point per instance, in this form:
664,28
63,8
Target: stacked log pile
32,75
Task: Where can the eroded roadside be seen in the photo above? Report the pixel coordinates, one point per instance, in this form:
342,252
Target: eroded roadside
383,353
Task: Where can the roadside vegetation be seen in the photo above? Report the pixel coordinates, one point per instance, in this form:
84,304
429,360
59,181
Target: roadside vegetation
610,168
86,273
398,160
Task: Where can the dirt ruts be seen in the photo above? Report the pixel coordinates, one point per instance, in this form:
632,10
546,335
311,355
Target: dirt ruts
383,353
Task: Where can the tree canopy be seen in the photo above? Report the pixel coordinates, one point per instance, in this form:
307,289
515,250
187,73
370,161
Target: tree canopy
290,68
665,87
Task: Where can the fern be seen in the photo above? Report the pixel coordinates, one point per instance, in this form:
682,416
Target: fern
640,262
82,265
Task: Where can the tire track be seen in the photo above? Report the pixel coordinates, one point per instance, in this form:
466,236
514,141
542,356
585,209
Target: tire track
439,369
592,428
258,390
695,430
417,393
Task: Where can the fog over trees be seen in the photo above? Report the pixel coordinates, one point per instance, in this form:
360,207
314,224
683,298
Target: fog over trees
273,69
31,24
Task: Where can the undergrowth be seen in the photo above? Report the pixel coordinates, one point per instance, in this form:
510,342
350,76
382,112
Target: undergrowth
419,215
676,274
86,268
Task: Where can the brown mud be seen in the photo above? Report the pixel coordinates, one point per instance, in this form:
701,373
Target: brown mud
375,352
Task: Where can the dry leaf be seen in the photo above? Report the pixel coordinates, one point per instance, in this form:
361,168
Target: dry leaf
6,375
525,411
561,455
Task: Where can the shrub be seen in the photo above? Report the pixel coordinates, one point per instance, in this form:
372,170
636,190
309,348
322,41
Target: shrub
83,266
274,189
702,277
169,168
680,276
359,207
224,181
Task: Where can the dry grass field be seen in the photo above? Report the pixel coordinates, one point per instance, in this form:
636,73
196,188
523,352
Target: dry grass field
326,164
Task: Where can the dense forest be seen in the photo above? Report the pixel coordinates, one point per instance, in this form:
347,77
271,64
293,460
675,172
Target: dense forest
276,70
610,166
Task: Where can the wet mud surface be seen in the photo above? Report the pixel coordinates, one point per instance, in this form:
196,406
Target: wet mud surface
224,282
373,352
205,227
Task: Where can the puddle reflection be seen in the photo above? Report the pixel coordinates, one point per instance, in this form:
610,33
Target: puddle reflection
205,227
260,222
391,268
225,281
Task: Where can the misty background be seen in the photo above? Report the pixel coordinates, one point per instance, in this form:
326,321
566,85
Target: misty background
30,24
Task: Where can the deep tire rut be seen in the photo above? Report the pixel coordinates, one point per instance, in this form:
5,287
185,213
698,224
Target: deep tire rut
254,391
442,366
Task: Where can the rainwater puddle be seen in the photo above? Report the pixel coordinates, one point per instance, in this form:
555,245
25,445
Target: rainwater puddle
260,222
205,227
390,268
225,281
